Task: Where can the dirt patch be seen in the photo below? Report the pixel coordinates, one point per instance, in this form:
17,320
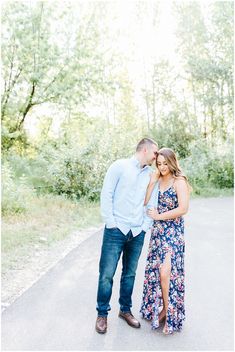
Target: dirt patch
15,282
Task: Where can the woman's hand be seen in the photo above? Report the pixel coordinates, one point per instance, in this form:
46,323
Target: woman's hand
153,213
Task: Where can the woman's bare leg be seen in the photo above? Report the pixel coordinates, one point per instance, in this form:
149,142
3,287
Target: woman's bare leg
165,272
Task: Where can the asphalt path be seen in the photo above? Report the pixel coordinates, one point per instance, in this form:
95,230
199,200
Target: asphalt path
58,312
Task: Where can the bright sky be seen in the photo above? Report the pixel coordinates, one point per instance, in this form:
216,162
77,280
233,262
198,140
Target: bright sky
144,43
148,41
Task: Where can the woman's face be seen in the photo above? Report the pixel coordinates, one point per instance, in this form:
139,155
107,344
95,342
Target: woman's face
162,166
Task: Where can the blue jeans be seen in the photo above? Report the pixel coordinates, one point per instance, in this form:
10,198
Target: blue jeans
114,243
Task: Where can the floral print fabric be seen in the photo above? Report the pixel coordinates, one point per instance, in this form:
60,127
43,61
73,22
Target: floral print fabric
166,237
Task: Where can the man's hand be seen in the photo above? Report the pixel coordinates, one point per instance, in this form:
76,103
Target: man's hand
153,213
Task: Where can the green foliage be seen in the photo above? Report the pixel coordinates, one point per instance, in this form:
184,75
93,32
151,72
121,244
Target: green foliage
45,64
33,169
78,171
173,133
206,167
69,172
77,77
221,172
16,195
206,49
11,139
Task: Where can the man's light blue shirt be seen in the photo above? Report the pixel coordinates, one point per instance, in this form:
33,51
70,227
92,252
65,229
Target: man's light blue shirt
123,195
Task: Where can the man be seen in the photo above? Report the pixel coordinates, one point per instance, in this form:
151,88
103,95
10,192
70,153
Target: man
126,222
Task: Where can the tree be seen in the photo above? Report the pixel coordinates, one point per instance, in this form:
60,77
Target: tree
206,48
40,64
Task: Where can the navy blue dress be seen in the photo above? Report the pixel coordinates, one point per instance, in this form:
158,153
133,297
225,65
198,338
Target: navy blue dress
167,236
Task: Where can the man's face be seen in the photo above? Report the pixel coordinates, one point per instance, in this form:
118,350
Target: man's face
150,154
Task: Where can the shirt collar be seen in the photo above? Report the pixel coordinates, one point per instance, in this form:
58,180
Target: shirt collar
136,162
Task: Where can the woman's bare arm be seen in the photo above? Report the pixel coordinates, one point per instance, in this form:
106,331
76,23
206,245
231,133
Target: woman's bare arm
153,180
182,191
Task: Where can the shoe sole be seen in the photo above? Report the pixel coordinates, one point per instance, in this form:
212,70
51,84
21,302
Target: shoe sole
101,332
133,326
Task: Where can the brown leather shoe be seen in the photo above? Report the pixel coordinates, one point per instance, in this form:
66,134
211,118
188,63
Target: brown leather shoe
101,325
130,319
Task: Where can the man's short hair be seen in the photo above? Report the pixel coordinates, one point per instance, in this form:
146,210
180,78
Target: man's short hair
145,142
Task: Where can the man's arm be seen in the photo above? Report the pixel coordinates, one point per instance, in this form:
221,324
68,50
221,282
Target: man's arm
153,202
154,177
106,200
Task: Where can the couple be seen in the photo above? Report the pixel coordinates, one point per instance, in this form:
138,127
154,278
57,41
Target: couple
132,198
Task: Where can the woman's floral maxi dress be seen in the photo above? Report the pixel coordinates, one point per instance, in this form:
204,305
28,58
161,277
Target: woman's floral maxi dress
166,236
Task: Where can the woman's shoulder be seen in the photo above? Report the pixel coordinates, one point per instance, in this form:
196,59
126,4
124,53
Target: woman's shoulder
180,181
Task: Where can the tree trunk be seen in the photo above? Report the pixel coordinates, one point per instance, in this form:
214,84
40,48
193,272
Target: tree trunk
146,98
222,119
153,102
204,113
213,126
194,97
28,106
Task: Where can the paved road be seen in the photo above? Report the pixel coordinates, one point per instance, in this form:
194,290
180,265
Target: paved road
58,312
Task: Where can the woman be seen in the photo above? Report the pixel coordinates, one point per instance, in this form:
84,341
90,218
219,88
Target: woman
163,293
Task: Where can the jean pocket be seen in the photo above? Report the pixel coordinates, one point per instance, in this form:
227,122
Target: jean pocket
113,230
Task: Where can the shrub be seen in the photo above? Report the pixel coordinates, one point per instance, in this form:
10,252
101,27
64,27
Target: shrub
173,133
206,167
16,195
77,170
221,173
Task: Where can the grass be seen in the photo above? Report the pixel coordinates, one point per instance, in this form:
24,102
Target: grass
48,220
207,192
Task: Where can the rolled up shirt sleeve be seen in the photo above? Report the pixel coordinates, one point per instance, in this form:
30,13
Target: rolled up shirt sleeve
106,200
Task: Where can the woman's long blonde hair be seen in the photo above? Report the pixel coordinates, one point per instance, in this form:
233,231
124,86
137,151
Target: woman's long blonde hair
173,164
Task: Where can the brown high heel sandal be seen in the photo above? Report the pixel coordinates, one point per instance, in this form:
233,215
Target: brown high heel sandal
165,332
